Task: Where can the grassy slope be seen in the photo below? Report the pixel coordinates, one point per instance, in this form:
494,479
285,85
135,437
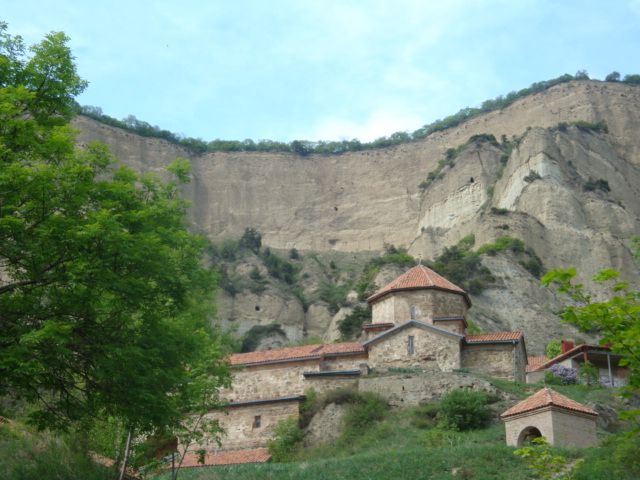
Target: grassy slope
394,449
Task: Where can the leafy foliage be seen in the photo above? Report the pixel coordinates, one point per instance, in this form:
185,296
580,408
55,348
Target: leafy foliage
335,295
464,410
251,240
561,375
287,440
532,176
257,333
617,319
600,184
303,147
544,463
553,348
351,325
392,256
104,299
598,127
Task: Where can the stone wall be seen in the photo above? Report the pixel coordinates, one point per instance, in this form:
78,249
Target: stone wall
558,426
407,390
240,427
265,382
497,360
432,350
520,372
455,326
325,384
396,307
346,362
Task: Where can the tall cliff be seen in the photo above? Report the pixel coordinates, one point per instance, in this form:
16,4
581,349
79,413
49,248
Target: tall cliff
570,193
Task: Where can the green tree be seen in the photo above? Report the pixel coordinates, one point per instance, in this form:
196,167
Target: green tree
612,77
103,297
617,319
553,348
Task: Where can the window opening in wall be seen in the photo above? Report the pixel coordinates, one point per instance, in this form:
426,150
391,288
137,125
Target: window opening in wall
414,312
411,347
257,421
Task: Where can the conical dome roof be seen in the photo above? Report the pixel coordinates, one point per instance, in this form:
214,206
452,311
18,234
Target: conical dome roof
418,278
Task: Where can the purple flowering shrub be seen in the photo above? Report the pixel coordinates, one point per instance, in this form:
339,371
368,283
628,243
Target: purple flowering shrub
559,374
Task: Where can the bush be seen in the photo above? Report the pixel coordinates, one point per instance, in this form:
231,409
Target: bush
294,254
334,295
589,374
351,325
279,267
499,211
251,240
561,375
366,409
255,334
440,437
424,416
287,441
532,176
464,410
553,349
501,244
600,184
544,463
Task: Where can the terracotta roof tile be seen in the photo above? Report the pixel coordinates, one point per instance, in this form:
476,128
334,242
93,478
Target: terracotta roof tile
418,277
545,398
494,337
230,457
573,351
304,352
534,361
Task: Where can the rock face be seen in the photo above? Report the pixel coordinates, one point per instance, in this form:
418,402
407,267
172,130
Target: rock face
357,201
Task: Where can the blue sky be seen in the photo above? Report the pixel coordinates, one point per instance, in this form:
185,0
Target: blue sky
313,70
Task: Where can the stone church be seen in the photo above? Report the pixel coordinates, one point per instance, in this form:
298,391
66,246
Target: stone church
418,321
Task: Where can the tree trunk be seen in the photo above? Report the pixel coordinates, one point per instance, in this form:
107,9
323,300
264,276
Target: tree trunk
127,448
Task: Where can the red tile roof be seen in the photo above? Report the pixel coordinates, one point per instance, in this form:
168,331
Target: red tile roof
494,337
230,457
577,349
291,354
547,398
419,277
534,361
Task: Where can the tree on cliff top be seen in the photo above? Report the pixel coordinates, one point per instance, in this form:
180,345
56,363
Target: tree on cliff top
103,297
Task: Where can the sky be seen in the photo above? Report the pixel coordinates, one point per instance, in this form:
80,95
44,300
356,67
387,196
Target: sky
323,70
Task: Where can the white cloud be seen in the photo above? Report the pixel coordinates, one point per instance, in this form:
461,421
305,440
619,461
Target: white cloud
379,124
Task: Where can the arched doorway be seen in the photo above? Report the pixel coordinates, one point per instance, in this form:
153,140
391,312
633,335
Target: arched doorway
527,435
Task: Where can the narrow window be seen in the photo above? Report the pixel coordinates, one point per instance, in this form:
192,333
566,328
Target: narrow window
411,347
257,421
414,312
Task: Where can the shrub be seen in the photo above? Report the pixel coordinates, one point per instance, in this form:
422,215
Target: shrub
366,409
533,265
287,440
424,416
255,334
560,373
544,463
278,267
251,240
532,176
589,374
309,407
499,211
600,184
464,410
294,254
351,325
334,295
501,244
440,437
553,348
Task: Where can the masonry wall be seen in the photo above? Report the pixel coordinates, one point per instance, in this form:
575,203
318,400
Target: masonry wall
432,350
269,381
396,307
325,384
573,430
455,326
497,360
240,431
540,419
520,374
344,362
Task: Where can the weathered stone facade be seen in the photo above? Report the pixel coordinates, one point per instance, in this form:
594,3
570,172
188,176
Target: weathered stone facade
432,349
502,360
558,426
428,304
251,425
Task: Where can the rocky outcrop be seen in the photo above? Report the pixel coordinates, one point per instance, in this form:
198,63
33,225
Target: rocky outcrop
358,201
